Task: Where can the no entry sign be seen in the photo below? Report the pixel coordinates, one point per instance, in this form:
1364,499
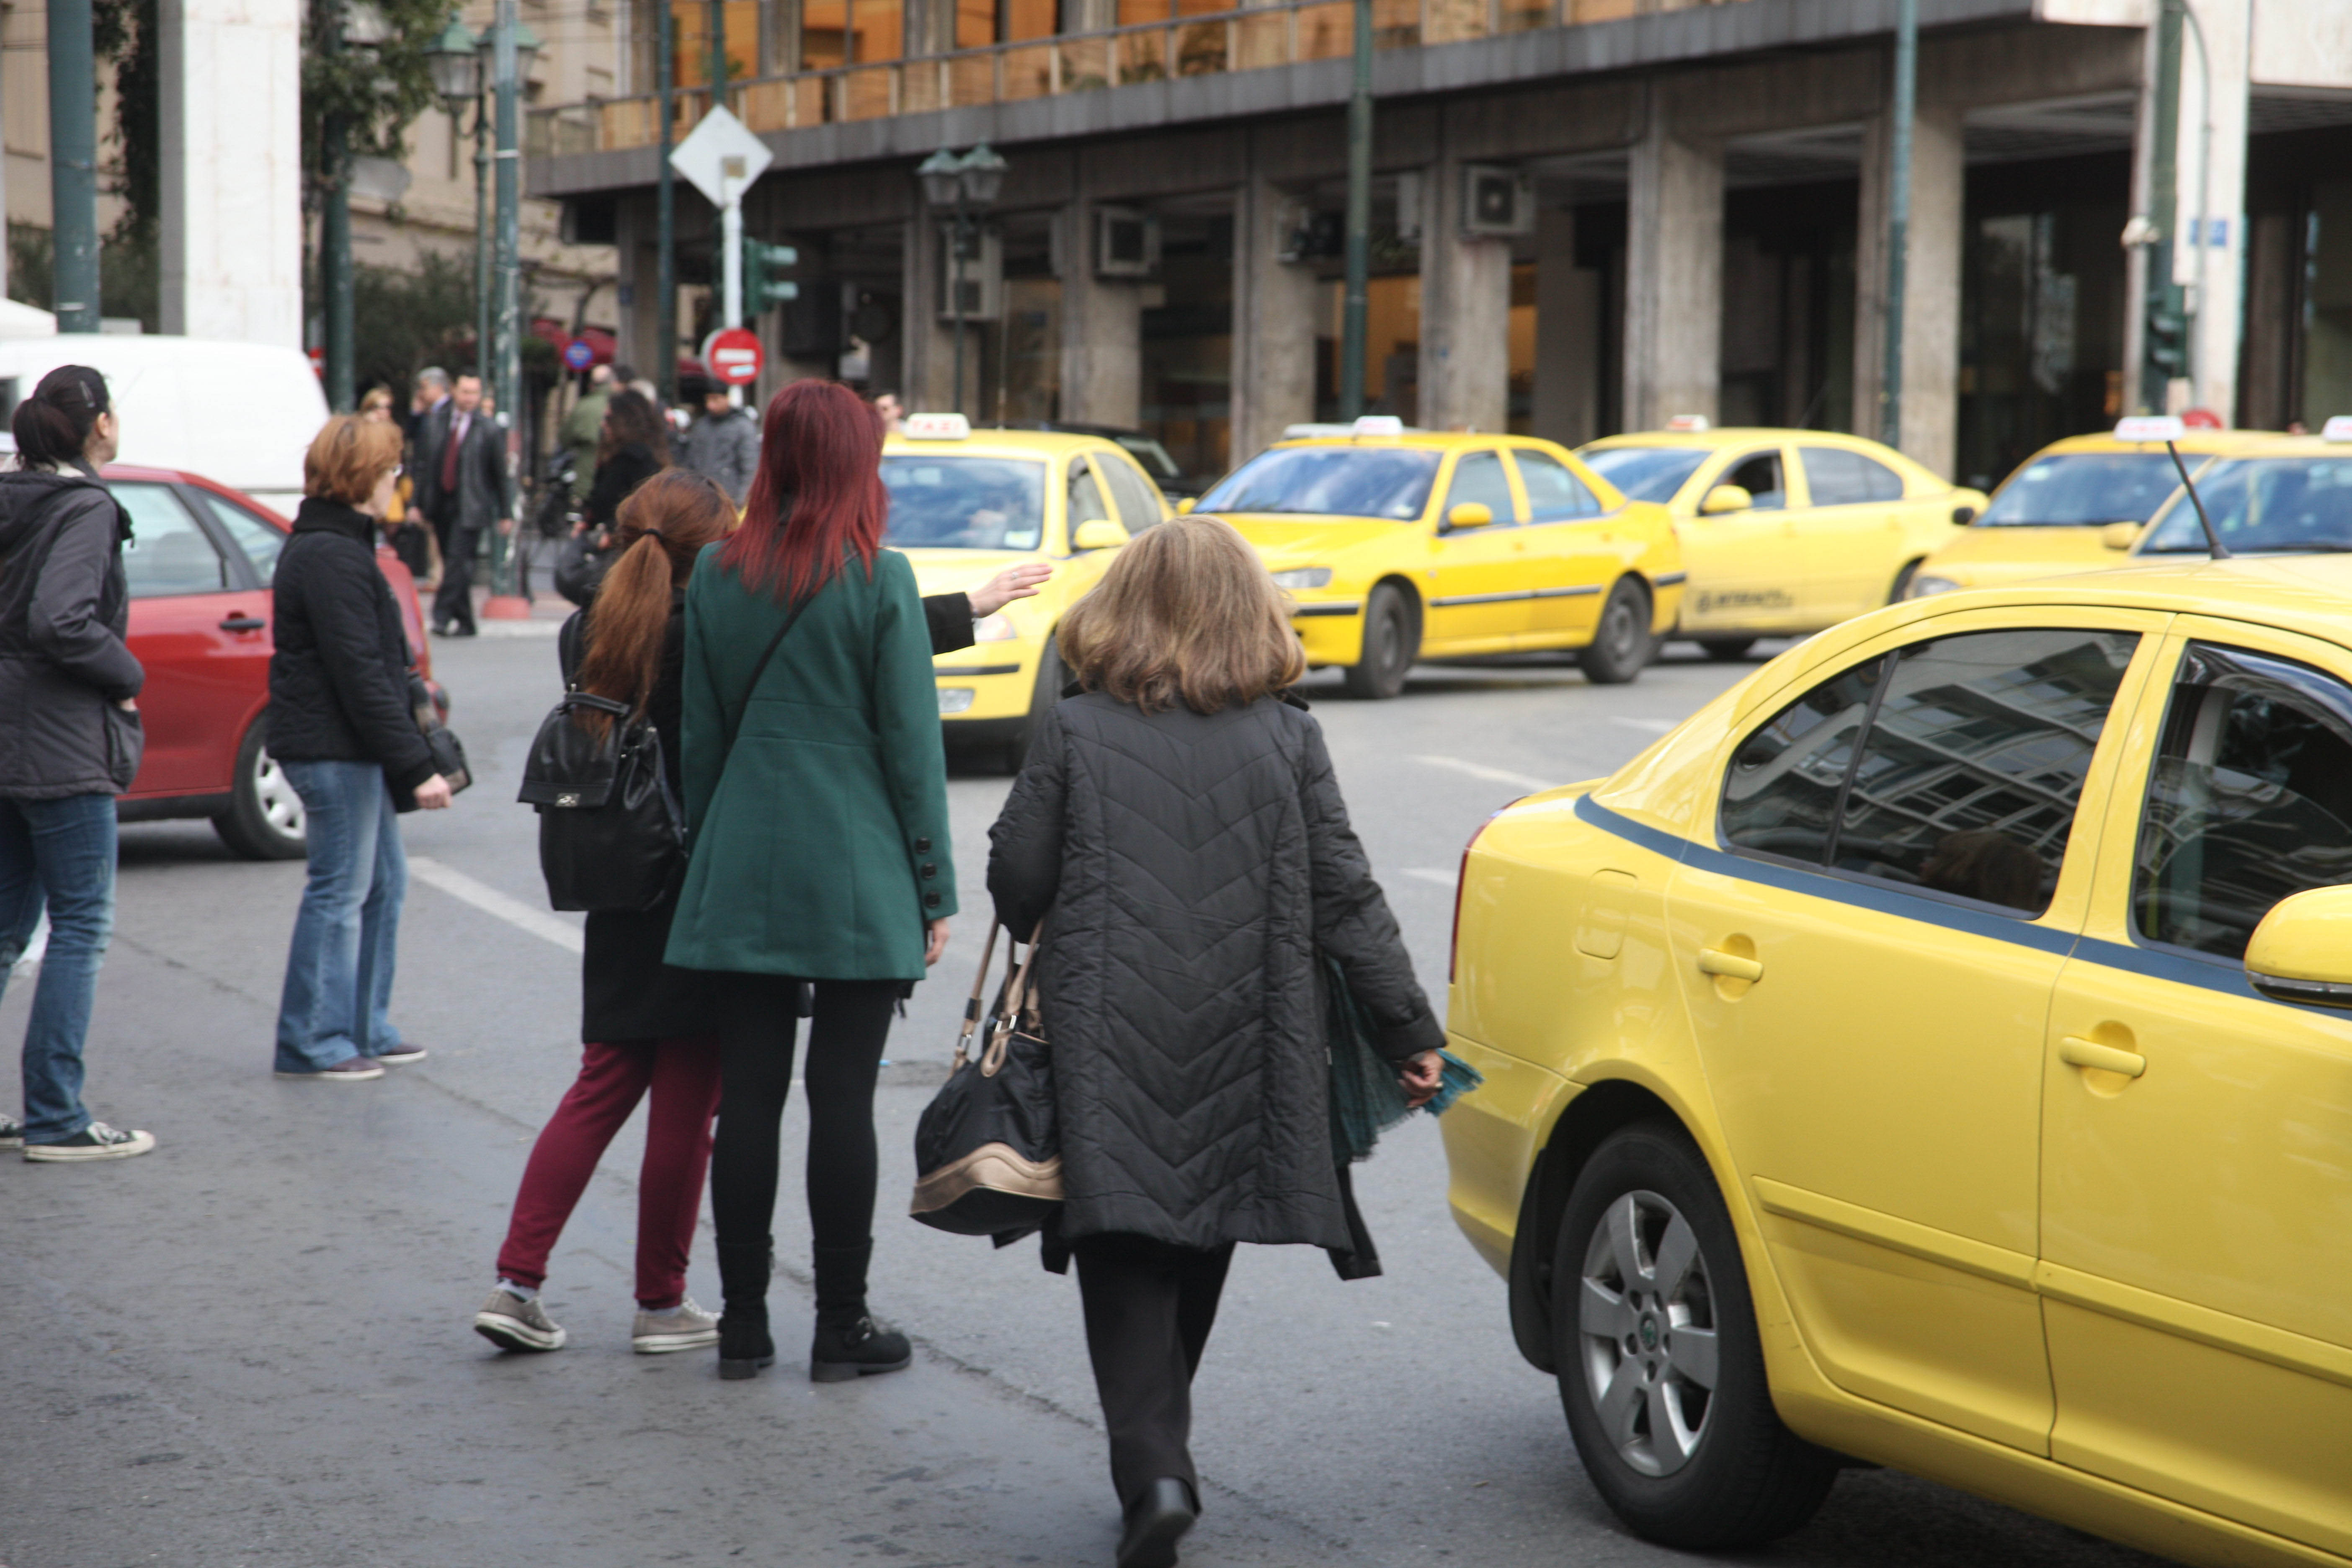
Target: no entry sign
734,355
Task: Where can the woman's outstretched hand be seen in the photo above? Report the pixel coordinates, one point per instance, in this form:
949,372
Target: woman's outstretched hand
934,942
1420,1078
1013,583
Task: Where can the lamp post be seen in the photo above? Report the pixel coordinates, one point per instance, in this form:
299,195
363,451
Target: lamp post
513,47
1355,308
455,61
968,185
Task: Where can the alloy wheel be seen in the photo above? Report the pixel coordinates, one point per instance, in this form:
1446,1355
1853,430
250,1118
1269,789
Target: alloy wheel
1646,1317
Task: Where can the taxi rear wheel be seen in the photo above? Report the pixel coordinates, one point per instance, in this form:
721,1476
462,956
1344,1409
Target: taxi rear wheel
1661,1373
1621,644
1391,643
1723,651
1903,582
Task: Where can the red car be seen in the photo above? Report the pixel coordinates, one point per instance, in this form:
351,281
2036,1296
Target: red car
199,565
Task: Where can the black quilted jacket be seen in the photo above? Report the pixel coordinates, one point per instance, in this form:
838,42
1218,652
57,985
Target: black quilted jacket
1193,865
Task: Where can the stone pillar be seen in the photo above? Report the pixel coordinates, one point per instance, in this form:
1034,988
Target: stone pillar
2273,264
1274,324
1674,277
1466,314
1102,331
1931,288
231,138
1567,335
927,343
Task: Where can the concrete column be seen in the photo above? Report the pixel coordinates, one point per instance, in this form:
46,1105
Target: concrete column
1274,324
2211,259
1567,335
927,343
2274,261
1931,290
1674,277
231,178
1466,314
1102,331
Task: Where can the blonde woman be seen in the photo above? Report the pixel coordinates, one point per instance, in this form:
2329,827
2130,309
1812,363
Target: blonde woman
1179,832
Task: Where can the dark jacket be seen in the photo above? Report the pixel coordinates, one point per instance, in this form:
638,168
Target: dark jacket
1195,867
64,608
482,494
339,678
631,464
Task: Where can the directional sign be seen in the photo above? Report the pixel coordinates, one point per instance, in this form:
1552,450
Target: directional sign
578,355
734,355
721,157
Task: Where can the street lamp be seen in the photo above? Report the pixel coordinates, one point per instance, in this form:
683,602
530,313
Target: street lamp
967,183
457,68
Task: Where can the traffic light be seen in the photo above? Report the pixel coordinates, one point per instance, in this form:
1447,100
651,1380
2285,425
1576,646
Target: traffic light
2168,332
763,286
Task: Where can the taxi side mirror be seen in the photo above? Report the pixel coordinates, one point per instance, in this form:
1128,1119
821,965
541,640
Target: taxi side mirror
2119,535
2303,950
1963,515
1097,533
1726,498
1469,514
1184,506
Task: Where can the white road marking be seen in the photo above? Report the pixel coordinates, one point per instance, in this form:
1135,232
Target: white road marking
1481,771
490,901
1652,726
1424,873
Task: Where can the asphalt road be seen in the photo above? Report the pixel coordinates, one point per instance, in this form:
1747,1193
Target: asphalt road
253,1347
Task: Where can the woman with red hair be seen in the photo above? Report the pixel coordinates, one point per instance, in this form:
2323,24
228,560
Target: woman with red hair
816,793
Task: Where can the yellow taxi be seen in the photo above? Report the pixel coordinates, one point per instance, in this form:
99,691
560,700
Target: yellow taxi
964,505
1784,532
1935,1053
2075,506
2284,495
1398,545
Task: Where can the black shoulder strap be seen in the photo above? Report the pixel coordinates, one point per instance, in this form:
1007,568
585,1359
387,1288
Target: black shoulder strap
761,668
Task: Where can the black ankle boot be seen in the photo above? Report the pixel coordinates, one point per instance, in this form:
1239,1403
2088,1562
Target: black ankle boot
1157,1519
843,1352
744,1346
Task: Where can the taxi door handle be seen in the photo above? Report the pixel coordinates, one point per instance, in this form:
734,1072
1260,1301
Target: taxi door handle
1730,965
2076,1051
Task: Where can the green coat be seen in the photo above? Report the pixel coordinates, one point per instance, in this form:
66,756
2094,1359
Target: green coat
822,847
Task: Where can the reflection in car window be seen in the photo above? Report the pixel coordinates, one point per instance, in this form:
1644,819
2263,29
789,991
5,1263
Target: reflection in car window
1138,498
2291,504
1760,475
168,552
2251,800
2082,487
1343,481
1835,476
1086,503
1645,473
1478,479
1781,793
965,503
1554,494
259,541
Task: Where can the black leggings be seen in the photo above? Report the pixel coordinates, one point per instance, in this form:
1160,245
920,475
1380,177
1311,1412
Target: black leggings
758,1023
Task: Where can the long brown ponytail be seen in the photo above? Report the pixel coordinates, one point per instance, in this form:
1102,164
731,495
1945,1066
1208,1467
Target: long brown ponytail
659,531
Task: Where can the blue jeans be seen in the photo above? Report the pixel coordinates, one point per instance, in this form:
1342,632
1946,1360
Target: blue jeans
339,968
58,854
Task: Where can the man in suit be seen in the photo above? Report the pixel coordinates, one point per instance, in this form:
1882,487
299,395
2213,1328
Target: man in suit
464,491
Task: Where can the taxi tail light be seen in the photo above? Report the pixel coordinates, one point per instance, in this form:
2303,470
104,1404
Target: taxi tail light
1461,877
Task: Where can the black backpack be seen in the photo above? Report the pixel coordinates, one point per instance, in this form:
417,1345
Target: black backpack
612,835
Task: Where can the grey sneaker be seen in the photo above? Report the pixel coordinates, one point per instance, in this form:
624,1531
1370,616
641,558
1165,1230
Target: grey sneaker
95,1142
351,1069
11,1132
687,1329
511,1324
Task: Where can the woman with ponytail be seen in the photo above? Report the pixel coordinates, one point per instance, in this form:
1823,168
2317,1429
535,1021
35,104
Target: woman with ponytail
643,1025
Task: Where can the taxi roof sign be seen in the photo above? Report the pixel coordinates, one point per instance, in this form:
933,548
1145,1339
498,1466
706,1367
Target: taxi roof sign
1688,423
1378,424
2150,427
2338,429
936,427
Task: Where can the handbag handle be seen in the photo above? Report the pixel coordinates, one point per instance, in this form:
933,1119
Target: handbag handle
1011,1006
972,1007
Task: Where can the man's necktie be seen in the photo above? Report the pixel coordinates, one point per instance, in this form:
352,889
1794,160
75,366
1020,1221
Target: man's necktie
449,453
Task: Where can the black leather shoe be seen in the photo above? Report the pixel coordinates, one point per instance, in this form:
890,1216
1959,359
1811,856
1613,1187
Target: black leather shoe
1156,1520
843,1352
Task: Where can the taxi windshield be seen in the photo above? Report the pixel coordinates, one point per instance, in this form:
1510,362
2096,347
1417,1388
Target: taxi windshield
1389,483
964,503
2257,504
1645,473
2084,489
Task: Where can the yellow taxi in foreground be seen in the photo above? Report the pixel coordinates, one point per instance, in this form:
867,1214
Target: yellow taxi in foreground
2075,506
1935,1052
1400,544
1784,532
964,505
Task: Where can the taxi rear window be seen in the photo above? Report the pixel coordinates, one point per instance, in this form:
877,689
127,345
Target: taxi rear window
964,503
1389,483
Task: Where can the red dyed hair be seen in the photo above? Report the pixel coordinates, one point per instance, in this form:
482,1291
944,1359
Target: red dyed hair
817,496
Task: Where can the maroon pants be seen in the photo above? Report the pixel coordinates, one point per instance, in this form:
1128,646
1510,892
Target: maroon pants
684,1077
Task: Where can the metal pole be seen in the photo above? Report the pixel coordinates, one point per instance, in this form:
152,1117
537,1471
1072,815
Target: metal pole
482,235
718,26
73,165
955,295
1898,216
2199,226
507,325
665,216
335,241
2158,291
1355,308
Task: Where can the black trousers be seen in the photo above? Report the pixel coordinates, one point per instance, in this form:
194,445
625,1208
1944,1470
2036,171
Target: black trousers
759,1021
1149,1307
454,604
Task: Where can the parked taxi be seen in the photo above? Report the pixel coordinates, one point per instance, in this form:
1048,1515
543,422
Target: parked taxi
1784,532
966,504
2075,506
2285,495
1399,544
1934,1052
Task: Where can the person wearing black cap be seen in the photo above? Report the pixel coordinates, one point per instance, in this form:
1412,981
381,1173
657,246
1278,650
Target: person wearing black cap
70,743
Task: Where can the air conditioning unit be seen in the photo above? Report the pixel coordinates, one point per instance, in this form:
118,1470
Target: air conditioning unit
984,277
1127,243
1496,202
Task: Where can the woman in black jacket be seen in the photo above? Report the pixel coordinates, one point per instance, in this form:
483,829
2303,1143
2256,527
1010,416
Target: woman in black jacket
341,726
1179,835
633,446
70,743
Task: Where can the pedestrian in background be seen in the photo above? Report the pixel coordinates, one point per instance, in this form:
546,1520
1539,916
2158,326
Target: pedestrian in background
465,494
409,538
893,411
643,1025
430,390
632,448
723,442
341,726
816,790
583,430
1179,834
70,743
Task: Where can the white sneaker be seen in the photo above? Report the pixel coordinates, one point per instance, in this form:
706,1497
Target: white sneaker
687,1329
11,1131
95,1142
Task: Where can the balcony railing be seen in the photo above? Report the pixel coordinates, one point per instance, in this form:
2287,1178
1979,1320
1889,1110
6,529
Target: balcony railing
1285,33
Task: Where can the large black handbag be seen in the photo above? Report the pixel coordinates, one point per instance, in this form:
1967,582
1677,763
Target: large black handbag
988,1147
611,835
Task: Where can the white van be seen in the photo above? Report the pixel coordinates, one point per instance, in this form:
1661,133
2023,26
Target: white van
242,414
